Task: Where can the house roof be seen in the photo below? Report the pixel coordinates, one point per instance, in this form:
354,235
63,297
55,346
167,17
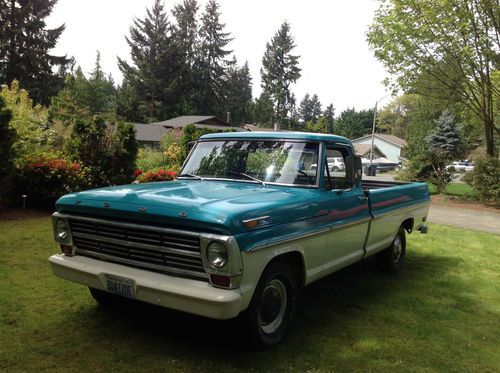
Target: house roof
390,138
200,121
363,149
147,132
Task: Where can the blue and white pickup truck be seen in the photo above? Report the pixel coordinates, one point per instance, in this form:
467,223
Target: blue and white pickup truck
245,226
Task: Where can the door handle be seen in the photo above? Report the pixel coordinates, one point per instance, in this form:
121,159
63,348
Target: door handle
363,198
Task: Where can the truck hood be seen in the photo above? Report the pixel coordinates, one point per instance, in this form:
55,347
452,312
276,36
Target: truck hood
216,205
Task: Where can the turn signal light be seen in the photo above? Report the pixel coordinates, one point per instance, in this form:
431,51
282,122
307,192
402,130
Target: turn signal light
222,281
67,250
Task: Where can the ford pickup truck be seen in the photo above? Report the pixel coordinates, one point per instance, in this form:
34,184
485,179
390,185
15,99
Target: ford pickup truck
245,226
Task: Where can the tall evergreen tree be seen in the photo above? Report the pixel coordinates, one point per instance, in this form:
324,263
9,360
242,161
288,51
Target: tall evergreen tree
263,113
305,109
329,115
239,93
185,34
316,109
280,69
25,43
152,79
212,61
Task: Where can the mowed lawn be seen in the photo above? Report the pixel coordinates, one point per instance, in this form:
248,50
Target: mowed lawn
441,313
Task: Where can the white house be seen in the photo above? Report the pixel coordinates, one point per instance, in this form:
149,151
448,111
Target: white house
387,146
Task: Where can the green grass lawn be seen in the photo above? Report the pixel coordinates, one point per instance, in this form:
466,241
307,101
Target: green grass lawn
455,189
441,313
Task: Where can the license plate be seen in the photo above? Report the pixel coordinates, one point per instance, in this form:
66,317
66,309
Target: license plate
120,286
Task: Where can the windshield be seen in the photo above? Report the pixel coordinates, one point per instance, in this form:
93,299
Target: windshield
281,162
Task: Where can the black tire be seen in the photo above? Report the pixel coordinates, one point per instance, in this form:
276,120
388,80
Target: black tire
271,310
104,298
392,259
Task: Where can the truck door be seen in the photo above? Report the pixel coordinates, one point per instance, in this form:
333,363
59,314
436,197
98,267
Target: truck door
348,211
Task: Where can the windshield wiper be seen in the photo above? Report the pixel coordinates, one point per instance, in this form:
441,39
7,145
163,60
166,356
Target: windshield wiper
248,177
191,175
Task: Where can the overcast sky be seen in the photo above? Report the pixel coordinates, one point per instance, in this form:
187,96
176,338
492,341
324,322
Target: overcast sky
335,59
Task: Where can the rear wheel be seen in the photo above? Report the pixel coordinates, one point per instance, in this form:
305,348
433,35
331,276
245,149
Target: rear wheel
392,259
271,310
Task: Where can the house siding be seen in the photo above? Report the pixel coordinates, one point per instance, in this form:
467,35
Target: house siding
392,151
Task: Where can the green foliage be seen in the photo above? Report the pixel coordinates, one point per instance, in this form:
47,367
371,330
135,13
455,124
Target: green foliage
28,120
485,179
212,62
7,138
239,94
25,43
84,97
310,109
320,126
353,124
444,145
109,155
44,177
280,69
329,115
263,113
150,83
442,49
148,159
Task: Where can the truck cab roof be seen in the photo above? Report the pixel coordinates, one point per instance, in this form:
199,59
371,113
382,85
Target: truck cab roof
278,136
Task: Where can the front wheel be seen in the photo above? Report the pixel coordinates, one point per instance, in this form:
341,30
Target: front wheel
271,310
392,259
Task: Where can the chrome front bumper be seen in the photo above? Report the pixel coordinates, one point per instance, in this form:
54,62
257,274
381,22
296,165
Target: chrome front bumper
192,296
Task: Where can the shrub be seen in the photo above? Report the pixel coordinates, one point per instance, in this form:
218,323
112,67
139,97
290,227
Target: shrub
148,160
44,177
155,175
485,179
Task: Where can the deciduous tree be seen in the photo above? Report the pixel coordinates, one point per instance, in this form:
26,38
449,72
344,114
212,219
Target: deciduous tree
443,49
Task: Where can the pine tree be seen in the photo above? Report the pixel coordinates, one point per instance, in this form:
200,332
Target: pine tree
263,113
152,79
212,63
305,109
280,69
185,33
329,114
445,141
315,108
239,93
25,43
444,144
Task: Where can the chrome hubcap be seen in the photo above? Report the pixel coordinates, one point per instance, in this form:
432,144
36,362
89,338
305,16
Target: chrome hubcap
272,306
397,248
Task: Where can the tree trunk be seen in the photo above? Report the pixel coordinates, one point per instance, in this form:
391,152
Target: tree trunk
488,136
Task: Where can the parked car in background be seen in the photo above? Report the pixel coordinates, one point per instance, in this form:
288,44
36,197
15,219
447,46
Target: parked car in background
460,166
334,164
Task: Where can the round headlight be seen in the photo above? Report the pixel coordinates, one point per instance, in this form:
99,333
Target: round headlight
217,254
62,229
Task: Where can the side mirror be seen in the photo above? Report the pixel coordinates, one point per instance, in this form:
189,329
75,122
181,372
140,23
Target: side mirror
353,169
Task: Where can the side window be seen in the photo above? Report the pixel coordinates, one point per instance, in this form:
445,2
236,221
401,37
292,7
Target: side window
335,172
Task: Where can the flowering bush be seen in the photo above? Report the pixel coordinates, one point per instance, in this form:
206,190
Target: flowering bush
44,177
155,175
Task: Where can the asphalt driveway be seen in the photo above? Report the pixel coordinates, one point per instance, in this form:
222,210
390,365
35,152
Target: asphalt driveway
479,220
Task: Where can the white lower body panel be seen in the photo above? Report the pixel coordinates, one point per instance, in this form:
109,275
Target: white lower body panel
192,296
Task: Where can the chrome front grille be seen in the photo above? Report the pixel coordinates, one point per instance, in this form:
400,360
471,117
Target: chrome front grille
152,248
